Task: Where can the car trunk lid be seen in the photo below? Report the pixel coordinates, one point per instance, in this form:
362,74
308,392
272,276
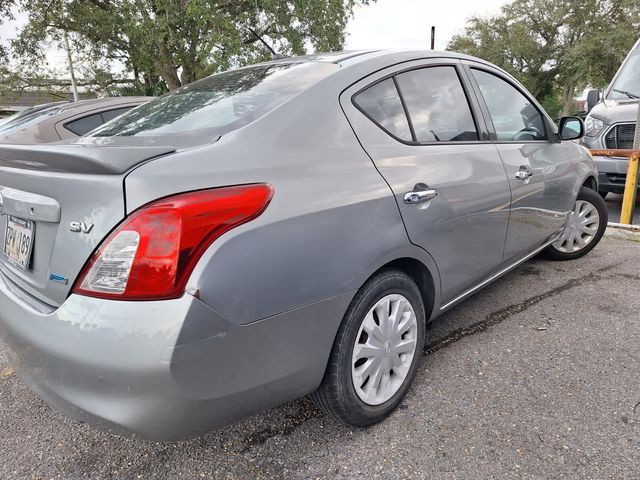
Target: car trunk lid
67,198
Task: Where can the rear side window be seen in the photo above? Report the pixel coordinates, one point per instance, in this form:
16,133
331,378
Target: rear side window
437,105
381,102
84,125
514,116
111,114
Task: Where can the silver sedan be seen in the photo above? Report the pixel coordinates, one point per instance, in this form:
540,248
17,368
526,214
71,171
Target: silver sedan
283,229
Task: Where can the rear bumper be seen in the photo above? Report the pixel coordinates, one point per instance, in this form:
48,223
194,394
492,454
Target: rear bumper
164,370
612,173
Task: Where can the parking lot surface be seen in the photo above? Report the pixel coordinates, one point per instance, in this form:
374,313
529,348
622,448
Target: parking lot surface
537,376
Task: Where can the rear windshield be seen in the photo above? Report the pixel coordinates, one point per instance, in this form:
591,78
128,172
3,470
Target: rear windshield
28,119
627,83
219,103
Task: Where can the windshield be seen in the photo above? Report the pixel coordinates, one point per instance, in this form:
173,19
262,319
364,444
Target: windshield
219,103
627,84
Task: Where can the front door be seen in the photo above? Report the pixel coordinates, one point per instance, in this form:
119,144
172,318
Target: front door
540,172
416,123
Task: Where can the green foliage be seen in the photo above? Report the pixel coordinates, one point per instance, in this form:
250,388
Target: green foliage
555,47
162,44
553,104
5,14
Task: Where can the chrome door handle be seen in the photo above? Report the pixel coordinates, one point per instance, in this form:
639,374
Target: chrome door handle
420,196
523,173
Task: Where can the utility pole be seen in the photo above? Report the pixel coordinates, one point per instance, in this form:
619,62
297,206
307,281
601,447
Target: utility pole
73,75
433,37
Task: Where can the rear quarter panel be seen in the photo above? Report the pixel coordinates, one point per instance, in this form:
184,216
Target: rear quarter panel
331,223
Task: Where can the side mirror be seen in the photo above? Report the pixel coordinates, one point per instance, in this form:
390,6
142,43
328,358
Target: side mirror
571,128
593,97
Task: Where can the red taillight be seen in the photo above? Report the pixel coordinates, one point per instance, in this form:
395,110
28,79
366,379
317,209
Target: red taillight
151,254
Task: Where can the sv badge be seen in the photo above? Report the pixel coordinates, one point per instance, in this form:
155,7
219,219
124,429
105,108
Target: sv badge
80,227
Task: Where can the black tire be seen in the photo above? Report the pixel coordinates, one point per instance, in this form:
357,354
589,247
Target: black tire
337,395
591,196
602,193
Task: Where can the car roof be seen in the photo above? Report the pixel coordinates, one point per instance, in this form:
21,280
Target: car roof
352,57
363,60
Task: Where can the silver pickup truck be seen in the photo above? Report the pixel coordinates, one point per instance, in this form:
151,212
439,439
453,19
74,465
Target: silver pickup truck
611,122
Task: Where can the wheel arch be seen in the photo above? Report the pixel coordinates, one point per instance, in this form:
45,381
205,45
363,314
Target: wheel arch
422,271
590,182
420,274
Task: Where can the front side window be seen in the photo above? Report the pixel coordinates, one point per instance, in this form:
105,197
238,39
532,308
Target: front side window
514,116
382,103
437,105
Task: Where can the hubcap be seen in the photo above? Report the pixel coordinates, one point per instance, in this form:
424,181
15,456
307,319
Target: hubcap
581,228
384,349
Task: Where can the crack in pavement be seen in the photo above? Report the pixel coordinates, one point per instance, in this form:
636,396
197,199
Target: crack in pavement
499,316
290,423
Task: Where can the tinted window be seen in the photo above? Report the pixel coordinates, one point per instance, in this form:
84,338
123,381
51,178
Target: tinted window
514,116
84,125
382,103
111,114
219,103
437,105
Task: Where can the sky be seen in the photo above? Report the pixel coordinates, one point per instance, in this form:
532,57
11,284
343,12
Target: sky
407,23
383,24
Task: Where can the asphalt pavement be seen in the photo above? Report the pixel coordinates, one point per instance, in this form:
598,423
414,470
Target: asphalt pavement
537,376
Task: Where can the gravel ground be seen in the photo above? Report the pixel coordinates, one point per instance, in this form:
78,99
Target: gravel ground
535,377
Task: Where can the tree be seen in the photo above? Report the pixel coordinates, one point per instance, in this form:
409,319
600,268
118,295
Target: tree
168,43
555,48
5,14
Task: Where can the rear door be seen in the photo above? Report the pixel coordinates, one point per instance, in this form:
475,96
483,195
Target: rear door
541,175
417,123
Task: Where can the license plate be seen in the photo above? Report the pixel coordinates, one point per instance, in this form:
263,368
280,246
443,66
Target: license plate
18,242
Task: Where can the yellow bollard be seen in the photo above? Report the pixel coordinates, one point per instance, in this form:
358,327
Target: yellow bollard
631,184
630,189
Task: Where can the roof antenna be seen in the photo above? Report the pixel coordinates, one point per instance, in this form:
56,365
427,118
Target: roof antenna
433,37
